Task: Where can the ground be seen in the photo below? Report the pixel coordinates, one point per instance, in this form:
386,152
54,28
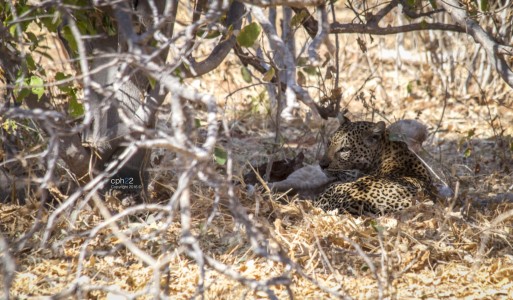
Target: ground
448,249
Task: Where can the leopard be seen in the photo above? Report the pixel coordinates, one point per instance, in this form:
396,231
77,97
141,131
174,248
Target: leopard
374,174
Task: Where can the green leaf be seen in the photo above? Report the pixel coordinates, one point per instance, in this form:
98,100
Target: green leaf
297,19
152,81
410,4
22,94
33,39
12,30
220,155
68,36
310,70
248,35
409,87
467,152
109,27
52,22
36,84
301,61
31,64
245,74
75,108
61,76
268,76
433,4
484,5
84,24
65,87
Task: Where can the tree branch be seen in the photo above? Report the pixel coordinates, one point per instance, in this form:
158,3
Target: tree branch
364,28
290,67
218,54
320,37
70,147
493,49
291,3
374,19
309,23
414,15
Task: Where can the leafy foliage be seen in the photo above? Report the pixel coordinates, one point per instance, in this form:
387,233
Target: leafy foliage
249,34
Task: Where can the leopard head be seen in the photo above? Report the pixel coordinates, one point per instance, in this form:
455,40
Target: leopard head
354,146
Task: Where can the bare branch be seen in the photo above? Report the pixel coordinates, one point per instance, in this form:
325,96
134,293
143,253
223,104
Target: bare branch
309,23
492,48
373,21
290,66
291,3
504,50
322,34
414,15
364,28
218,54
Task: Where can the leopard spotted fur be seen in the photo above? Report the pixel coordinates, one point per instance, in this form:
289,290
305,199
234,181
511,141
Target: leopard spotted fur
389,176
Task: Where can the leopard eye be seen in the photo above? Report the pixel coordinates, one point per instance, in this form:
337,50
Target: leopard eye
344,149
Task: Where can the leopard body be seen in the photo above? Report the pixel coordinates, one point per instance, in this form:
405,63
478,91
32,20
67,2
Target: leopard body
375,175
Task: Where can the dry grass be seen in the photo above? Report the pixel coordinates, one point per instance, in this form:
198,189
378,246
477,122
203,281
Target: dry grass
424,252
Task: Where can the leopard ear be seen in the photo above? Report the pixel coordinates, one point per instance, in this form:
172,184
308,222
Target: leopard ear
376,134
342,119
379,128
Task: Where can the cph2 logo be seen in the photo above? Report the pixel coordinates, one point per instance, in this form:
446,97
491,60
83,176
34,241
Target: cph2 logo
122,181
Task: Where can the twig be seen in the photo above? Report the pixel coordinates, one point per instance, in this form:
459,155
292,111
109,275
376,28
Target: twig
486,236
291,3
494,50
373,21
337,59
368,261
289,65
322,33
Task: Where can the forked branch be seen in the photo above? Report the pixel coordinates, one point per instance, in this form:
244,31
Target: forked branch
494,50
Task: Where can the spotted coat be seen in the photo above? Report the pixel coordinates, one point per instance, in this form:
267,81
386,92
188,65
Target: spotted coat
375,175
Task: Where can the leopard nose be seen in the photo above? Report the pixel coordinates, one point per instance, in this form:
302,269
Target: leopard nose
324,162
